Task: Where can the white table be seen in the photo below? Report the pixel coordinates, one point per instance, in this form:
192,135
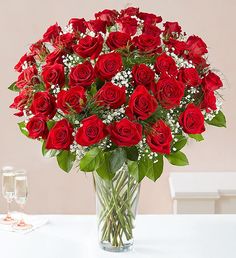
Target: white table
157,236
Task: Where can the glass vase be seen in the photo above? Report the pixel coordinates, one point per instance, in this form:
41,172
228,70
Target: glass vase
116,204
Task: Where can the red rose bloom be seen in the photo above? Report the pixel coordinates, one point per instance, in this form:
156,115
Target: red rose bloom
190,77
72,100
125,133
89,46
127,25
28,77
212,82
149,18
192,120
196,46
130,11
178,46
143,75
151,30
60,136
169,92
37,127
78,25
64,41
51,33
141,104
38,49
97,26
171,28
81,75
117,40
111,95
147,43
55,57
43,104
53,75
108,16
25,59
165,65
209,101
92,131
20,101
159,139
108,65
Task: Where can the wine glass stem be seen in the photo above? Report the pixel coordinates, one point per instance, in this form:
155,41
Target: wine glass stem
8,208
22,221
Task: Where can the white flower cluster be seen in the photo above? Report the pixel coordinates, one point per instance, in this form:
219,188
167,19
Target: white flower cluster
106,143
68,29
172,118
143,150
71,60
210,115
55,89
77,149
111,115
124,78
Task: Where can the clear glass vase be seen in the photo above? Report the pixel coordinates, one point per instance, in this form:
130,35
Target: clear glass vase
116,203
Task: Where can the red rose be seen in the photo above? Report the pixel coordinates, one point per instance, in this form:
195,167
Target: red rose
37,127
130,11
78,25
51,33
209,101
125,133
149,18
212,82
171,28
54,57
160,138
141,104
38,49
127,25
108,65
196,46
178,46
143,75
81,75
28,77
169,92
166,65
92,131
72,100
111,95
151,30
109,16
44,104
64,41
89,46
97,26
199,62
27,59
192,120
20,101
190,77
117,40
147,43
53,75
60,136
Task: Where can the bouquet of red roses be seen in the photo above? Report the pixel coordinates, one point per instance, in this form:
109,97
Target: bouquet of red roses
123,89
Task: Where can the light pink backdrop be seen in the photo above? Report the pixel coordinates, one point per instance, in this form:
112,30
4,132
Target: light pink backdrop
51,191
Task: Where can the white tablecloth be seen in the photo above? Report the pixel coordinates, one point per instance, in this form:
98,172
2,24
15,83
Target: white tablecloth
157,236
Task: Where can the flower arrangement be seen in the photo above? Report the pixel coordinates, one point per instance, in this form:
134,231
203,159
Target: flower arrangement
121,89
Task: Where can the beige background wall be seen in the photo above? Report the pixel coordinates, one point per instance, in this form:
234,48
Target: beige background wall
52,191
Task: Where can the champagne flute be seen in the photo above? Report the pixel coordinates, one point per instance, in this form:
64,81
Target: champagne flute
8,191
21,194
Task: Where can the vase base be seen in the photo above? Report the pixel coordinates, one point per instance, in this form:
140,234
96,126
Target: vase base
116,249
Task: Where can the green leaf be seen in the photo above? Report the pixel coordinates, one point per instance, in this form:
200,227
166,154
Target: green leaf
50,124
13,87
39,87
197,137
90,161
49,153
117,159
180,143
104,169
23,129
219,120
66,160
177,158
132,153
156,170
